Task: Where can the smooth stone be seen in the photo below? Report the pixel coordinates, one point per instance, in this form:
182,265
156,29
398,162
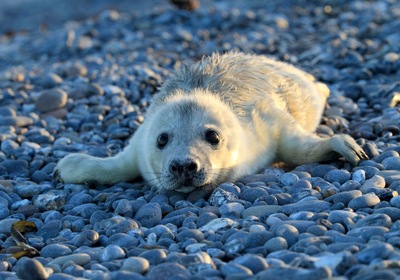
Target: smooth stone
339,237
359,176
149,215
86,238
50,229
255,239
123,240
62,276
18,121
4,211
27,268
79,259
321,170
28,191
340,176
125,275
288,232
74,70
51,99
312,205
364,201
375,251
375,182
367,232
278,273
252,194
136,264
288,179
254,262
231,207
190,233
235,268
390,176
18,168
382,220
346,196
374,275
154,256
276,244
392,212
166,271
395,201
55,250
112,252
391,163
260,210
219,224
5,225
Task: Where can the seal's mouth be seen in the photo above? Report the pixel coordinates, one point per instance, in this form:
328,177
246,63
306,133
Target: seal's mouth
185,189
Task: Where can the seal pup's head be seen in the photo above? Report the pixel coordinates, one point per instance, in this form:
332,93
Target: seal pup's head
192,141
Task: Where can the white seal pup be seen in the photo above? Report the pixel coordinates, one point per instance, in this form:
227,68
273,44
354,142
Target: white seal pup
224,117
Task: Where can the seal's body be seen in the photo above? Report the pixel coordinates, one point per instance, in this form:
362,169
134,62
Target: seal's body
221,118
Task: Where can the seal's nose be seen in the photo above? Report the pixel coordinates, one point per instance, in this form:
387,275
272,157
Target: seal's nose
186,168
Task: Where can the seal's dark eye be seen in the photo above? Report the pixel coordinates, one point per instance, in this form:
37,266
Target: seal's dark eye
212,137
162,140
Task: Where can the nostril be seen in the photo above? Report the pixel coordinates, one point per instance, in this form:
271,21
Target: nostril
176,168
191,167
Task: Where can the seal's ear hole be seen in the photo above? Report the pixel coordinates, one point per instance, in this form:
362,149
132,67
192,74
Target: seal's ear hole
212,137
162,140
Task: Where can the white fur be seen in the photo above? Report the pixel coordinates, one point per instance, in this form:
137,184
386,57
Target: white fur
264,110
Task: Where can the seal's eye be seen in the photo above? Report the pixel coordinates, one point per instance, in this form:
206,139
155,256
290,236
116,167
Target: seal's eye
162,140
212,137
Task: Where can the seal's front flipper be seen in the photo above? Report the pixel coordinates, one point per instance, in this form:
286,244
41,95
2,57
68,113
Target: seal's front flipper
81,169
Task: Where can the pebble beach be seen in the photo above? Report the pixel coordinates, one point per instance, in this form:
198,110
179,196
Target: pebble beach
84,85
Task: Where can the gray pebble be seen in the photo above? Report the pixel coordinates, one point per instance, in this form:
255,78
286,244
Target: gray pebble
276,244
136,264
368,232
79,259
235,268
277,273
346,197
253,262
55,250
51,99
149,215
364,201
358,176
312,205
86,238
155,256
392,163
340,176
231,207
375,251
112,252
381,220
167,271
190,233
289,233
30,269
288,179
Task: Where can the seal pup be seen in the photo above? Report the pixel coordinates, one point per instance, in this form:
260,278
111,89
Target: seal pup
226,116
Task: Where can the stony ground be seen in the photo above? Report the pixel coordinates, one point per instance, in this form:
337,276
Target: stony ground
84,86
